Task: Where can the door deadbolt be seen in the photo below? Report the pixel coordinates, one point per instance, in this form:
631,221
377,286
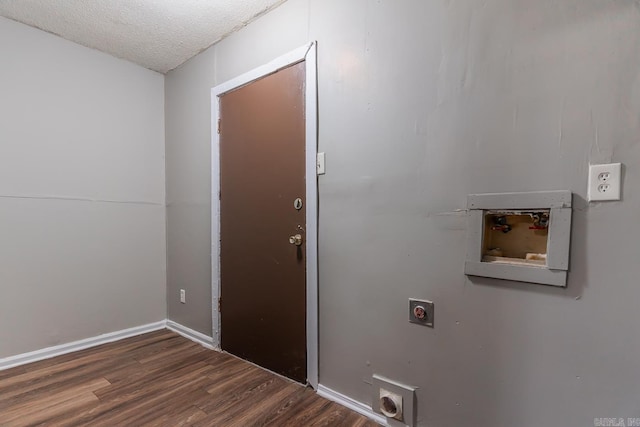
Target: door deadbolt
296,239
297,203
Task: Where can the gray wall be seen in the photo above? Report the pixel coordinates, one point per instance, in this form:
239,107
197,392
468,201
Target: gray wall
420,104
82,216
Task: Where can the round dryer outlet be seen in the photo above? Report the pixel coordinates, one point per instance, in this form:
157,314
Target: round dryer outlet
391,404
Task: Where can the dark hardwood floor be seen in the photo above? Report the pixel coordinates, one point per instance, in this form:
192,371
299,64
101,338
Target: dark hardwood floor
159,379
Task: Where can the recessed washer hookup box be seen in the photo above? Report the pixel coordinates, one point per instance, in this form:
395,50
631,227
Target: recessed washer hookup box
523,237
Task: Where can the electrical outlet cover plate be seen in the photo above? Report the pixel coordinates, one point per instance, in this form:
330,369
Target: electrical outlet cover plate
428,308
604,182
408,394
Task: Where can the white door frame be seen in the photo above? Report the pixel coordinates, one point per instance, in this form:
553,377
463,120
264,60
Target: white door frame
305,53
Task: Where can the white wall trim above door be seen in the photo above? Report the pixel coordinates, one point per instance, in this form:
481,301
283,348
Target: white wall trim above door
305,53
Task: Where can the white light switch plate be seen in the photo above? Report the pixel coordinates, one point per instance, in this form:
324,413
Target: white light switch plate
320,164
604,182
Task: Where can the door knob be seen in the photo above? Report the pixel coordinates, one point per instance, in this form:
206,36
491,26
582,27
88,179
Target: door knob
296,240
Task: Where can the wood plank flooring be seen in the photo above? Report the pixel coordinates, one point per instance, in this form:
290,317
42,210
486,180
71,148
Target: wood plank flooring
160,379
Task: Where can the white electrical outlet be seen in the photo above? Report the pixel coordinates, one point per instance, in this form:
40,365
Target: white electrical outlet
604,182
183,296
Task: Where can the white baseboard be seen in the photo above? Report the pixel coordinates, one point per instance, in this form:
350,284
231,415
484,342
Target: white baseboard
58,350
200,338
352,404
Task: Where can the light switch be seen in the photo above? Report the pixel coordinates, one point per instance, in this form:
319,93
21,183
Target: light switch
320,164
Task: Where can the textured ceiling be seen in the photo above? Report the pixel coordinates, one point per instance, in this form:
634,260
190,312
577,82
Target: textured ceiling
157,34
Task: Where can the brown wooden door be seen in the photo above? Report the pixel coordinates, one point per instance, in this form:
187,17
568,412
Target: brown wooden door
262,173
